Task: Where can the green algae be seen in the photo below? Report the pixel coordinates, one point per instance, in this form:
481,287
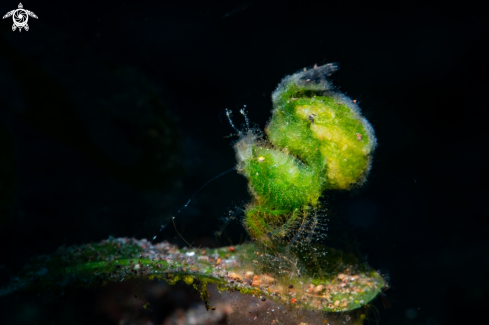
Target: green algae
316,140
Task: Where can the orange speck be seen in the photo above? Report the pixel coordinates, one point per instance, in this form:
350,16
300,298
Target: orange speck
218,261
231,249
355,101
293,301
311,288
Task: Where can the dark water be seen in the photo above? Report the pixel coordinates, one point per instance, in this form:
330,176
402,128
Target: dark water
111,116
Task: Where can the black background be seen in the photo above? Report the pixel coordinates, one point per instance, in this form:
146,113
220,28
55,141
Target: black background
73,133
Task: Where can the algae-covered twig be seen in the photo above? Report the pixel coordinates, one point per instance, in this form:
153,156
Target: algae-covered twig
235,268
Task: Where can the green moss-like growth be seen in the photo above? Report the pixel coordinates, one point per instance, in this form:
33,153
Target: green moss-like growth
316,140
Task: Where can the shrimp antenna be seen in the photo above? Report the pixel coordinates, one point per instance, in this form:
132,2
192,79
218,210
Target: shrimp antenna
243,112
188,202
228,114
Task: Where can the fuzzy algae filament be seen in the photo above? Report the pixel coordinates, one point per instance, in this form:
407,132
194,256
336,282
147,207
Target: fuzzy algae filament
316,140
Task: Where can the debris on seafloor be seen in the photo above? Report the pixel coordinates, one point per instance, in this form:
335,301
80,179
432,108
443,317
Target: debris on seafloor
180,305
